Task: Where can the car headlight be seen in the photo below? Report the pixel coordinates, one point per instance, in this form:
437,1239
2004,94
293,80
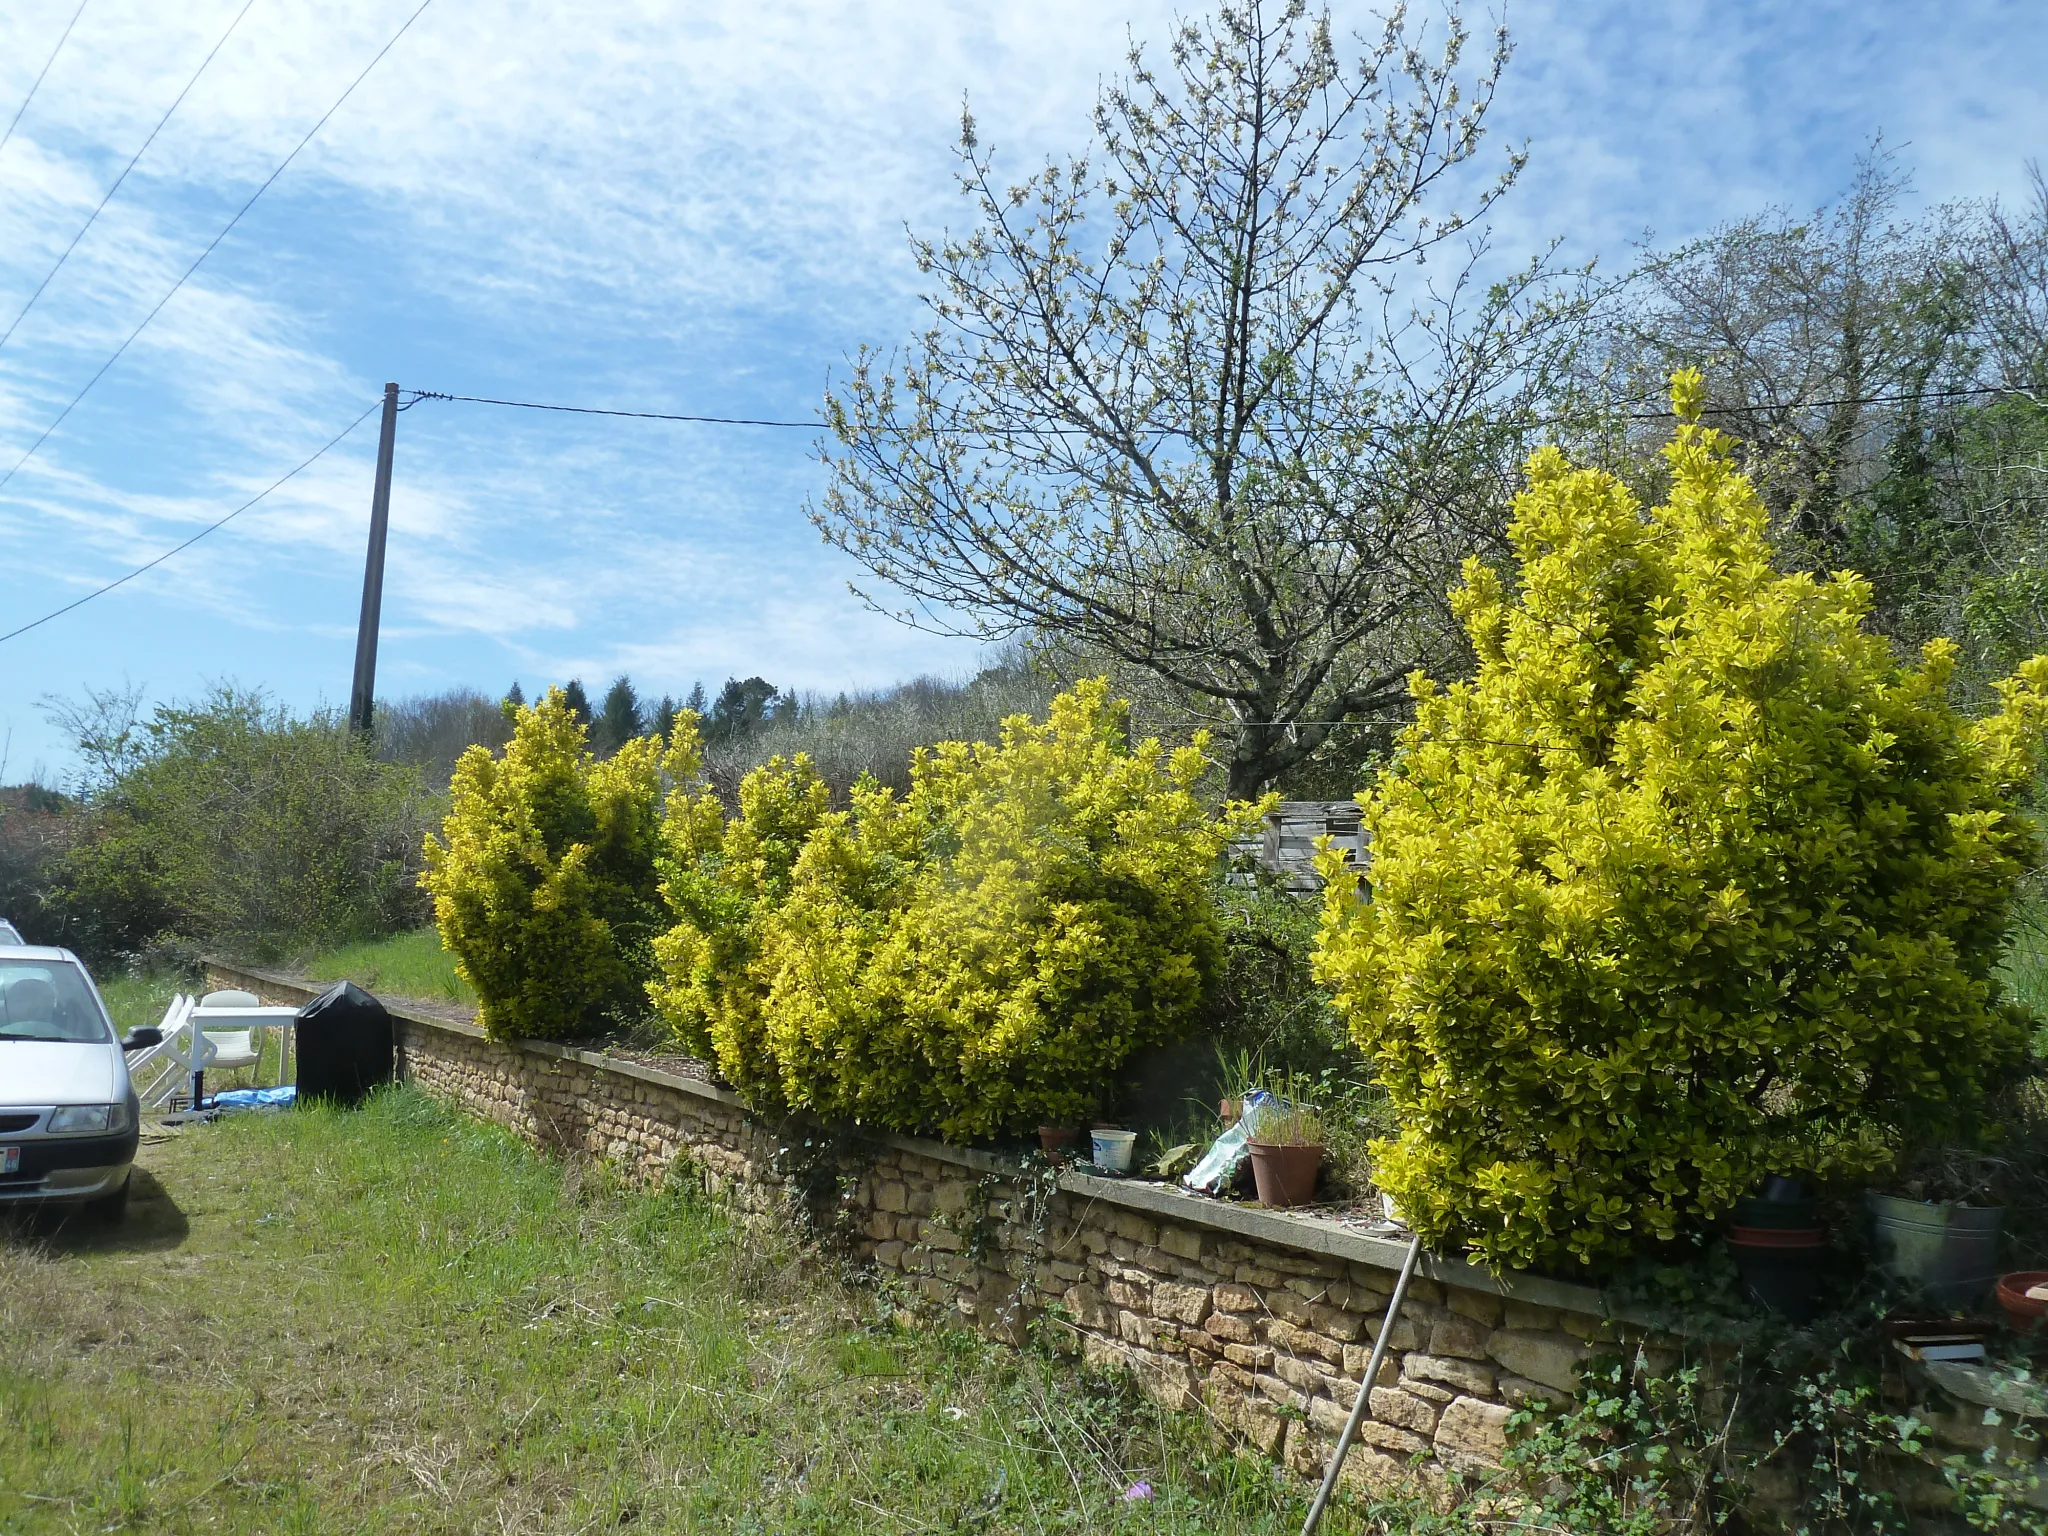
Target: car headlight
85,1119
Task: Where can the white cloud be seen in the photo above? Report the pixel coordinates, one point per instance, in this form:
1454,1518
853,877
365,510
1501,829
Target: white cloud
695,207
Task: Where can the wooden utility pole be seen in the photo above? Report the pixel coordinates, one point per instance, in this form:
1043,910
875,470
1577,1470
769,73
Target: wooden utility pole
362,696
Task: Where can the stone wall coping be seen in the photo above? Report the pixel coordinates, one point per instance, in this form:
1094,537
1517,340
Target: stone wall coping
1990,1388
1301,1231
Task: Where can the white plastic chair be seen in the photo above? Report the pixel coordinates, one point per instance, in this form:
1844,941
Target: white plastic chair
234,1048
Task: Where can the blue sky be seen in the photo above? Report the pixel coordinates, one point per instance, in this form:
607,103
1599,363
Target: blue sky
694,208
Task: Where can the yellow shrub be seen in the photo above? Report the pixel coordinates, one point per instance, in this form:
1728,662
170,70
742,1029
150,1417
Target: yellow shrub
1692,884
722,882
544,888
981,956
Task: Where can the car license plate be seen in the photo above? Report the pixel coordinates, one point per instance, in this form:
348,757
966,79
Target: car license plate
10,1159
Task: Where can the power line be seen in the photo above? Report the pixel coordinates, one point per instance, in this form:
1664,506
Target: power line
417,395
225,229
593,410
137,156
38,85
202,533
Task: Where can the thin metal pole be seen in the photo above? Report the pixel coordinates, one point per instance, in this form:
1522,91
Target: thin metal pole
362,695
1372,1371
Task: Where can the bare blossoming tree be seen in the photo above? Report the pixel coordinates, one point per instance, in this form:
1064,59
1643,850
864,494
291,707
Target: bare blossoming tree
1185,402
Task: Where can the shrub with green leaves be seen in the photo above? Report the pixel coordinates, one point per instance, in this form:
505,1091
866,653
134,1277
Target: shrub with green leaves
1693,883
984,954
544,888
230,822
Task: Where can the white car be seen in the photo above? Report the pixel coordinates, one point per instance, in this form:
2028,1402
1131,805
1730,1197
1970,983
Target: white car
9,934
68,1113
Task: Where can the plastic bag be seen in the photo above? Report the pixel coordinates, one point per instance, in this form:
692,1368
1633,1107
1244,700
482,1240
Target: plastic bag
1219,1165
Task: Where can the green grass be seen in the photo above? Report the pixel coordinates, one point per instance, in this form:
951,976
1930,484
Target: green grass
400,1320
405,965
136,1000
2025,970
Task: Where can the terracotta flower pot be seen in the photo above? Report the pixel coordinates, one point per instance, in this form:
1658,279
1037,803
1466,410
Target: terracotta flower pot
1285,1174
1059,1141
2021,1310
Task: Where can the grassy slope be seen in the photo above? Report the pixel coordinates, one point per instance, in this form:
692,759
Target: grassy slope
405,965
400,1320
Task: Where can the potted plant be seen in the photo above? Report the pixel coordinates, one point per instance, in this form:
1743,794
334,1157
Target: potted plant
1939,1232
1286,1144
1058,1142
1780,1249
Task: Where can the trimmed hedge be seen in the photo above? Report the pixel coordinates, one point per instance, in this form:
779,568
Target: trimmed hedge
980,956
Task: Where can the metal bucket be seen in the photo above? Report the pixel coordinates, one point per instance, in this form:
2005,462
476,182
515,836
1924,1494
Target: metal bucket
1949,1251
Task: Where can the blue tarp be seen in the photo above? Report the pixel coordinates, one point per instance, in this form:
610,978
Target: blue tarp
256,1098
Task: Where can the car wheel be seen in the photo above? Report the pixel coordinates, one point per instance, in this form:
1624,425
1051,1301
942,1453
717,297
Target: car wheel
111,1208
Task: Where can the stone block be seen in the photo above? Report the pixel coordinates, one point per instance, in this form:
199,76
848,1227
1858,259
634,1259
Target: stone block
1257,1274
1229,1328
1525,1314
1550,1358
1390,1405
1088,1307
1368,1473
1358,1356
1457,1336
1406,1334
1181,1243
1337,1323
1134,1329
1392,1437
1466,1375
1480,1306
1262,1428
1124,1294
1284,1303
1180,1303
889,1255
1328,1416
1135,1228
1279,1391
1101,1354
1235,1298
1474,1427
1299,1373
1281,1335
1251,1357
1583,1325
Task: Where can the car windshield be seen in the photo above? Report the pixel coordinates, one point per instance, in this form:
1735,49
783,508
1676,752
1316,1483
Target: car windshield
48,1000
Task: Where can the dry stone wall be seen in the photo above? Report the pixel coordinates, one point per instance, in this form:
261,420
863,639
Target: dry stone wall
1261,1320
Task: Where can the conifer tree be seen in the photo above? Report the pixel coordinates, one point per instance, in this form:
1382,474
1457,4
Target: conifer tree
577,700
620,720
